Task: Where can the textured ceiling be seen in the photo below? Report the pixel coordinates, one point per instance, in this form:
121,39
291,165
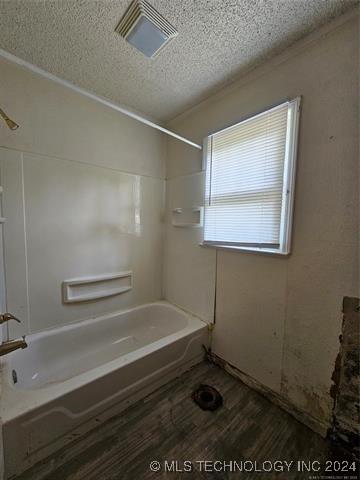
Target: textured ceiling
218,41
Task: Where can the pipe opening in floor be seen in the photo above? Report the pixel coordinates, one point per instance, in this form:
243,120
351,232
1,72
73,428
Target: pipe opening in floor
207,397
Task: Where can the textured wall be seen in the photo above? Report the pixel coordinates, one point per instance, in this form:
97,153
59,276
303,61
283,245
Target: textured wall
278,319
83,196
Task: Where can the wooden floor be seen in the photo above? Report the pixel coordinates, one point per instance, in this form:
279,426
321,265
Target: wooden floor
168,425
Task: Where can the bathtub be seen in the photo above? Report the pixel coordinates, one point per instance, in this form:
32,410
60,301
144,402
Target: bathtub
71,378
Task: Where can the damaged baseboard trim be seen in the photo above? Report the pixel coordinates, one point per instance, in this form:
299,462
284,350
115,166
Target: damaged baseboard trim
313,423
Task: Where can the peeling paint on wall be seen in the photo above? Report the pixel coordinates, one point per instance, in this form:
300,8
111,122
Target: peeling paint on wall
313,400
297,297
346,377
278,399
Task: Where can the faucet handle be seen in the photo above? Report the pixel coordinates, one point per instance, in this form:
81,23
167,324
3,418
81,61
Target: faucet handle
5,317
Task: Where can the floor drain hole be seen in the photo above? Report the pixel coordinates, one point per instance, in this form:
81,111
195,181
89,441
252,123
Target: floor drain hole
207,397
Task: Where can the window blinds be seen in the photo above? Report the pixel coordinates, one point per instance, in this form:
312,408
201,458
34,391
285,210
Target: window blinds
245,181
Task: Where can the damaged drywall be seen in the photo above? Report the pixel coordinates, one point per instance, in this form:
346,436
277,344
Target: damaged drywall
279,400
346,377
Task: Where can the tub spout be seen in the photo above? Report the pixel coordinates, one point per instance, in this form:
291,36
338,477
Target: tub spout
5,317
7,347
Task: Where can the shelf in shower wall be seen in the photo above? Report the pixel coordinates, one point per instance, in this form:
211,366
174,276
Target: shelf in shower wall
96,288
188,217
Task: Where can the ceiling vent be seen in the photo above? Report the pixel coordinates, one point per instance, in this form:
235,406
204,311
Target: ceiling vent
144,28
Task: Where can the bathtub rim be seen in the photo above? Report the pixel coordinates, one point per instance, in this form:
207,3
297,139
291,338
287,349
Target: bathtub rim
105,316
16,402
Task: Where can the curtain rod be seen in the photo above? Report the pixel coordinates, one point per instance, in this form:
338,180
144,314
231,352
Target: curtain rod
104,101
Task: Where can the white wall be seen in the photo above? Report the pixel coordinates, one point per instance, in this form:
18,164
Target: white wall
278,319
189,273
83,195
58,122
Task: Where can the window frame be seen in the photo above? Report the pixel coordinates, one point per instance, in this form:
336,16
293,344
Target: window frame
288,195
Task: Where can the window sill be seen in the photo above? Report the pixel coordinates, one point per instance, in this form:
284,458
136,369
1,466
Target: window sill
260,251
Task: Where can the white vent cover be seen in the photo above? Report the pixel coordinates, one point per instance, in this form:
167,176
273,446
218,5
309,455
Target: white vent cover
144,28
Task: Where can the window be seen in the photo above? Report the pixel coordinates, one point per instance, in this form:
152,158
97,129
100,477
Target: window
250,170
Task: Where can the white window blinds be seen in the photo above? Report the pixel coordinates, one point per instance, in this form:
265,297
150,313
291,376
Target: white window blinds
249,177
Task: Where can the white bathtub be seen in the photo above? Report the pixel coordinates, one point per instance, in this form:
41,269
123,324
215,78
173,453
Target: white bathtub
70,378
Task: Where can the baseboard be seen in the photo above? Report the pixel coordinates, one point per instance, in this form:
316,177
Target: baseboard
314,424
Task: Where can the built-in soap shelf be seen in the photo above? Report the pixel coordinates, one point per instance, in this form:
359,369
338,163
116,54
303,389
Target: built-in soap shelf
188,217
97,287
